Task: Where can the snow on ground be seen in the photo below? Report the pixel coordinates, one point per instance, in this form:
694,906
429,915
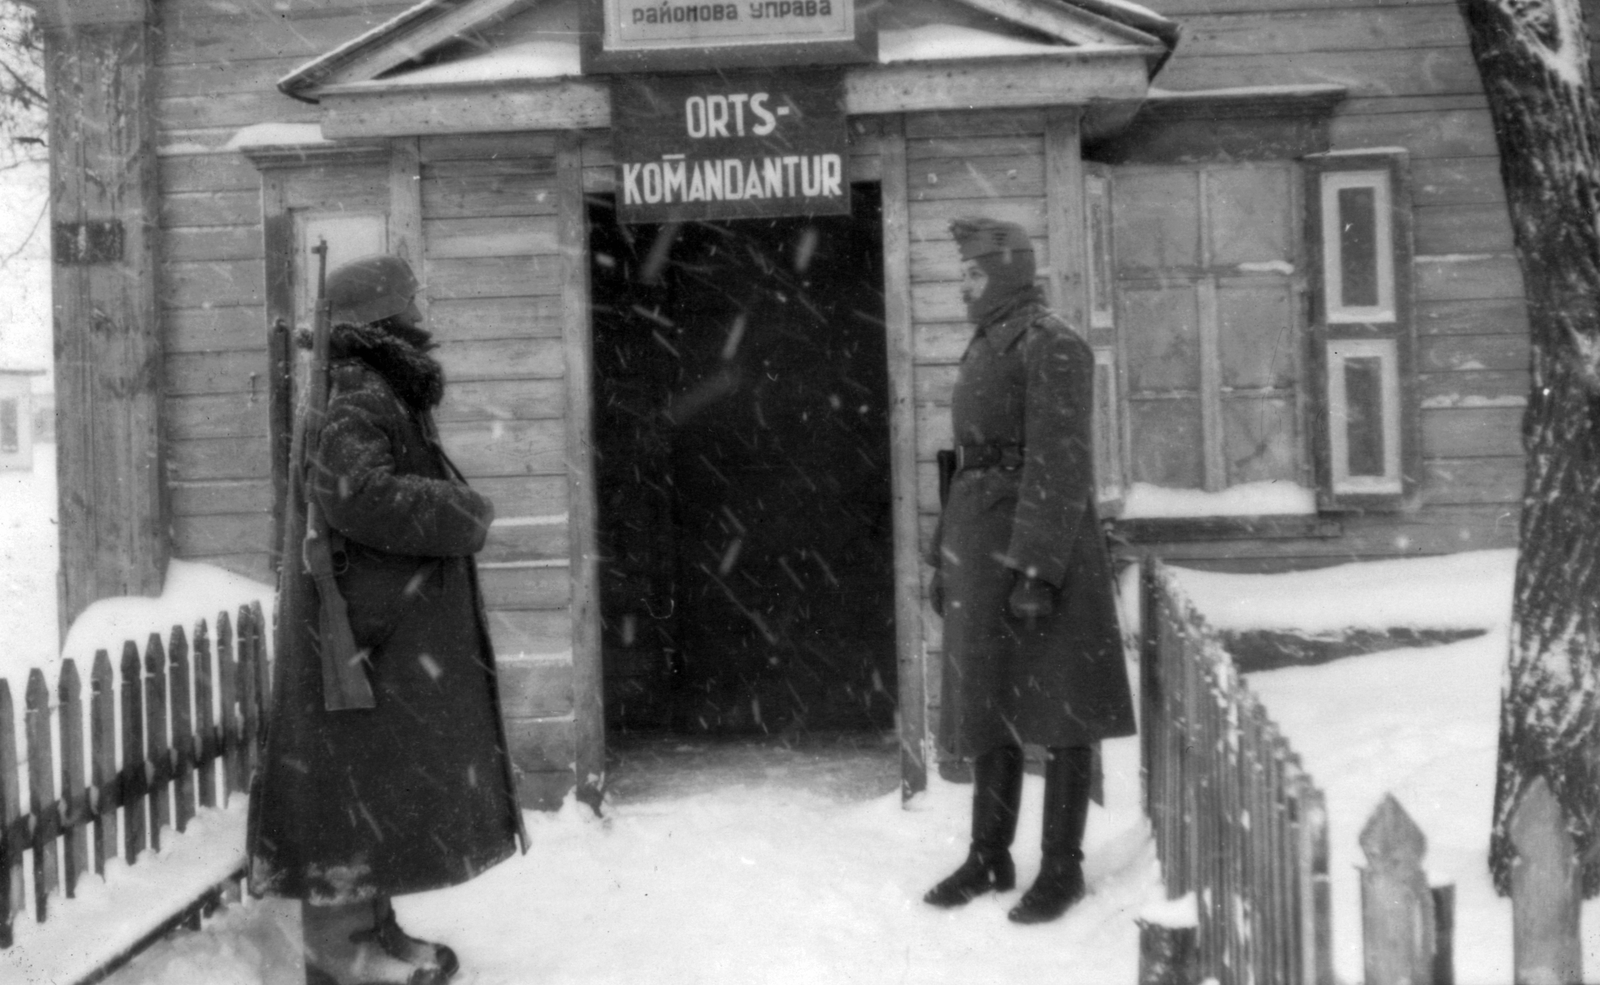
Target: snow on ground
771,880
744,884
125,906
1421,724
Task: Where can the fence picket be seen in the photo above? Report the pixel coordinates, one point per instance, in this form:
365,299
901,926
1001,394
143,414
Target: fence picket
11,829
159,710
258,621
249,688
42,807
205,718
135,769
234,778
106,793
158,752
180,695
1236,821
74,791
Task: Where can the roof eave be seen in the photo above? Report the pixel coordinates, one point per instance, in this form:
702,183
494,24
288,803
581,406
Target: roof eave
1077,77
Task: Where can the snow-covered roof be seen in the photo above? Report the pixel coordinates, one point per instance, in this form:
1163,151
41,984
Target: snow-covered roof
441,42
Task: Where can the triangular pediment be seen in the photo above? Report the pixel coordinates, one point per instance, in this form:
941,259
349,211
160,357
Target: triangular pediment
445,41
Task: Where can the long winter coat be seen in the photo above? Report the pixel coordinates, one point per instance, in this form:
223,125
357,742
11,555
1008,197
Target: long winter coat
416,793
1027,379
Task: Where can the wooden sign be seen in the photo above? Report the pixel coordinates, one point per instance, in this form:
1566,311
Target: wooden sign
734,146
677,35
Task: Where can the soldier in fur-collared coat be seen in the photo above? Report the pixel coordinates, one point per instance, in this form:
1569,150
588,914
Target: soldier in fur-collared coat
1032,650
352,807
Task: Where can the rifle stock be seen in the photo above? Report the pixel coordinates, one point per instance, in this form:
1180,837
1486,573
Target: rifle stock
344,674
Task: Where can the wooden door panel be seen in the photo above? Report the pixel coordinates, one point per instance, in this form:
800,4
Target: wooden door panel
1161,337
1249,214
1256,340
1168,448
1260,439
1156,222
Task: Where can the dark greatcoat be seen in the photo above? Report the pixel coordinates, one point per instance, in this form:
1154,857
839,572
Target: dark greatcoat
416,793
1027,379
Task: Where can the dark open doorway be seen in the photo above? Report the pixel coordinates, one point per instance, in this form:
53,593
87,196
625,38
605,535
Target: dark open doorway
742,446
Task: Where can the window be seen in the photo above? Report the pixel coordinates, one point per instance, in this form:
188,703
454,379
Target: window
1358,225
1364,416
1107,429
1097,201
1358,247
1209,329
348,236
1254,353
10,429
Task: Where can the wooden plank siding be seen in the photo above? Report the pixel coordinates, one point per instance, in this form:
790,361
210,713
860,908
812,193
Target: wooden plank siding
484,212
494,270
1411,84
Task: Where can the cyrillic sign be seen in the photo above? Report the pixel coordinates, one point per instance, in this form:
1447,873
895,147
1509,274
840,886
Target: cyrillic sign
729,146
637,24
676,35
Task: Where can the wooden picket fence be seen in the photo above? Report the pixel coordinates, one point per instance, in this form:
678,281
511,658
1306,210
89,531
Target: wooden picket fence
1237,820
161,726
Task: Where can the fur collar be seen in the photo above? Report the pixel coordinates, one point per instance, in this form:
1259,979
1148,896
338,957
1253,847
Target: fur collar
416,377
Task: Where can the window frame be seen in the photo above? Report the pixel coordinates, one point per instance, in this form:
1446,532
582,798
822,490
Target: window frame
1384,311
1340,352
1336,332
11,407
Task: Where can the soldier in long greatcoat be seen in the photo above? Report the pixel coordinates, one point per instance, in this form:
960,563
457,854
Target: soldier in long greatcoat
353,807
1032,651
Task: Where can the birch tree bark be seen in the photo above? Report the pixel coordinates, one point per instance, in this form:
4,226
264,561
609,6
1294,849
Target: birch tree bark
1533,57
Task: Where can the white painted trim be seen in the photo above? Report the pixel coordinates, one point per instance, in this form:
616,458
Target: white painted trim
1333,182
1388,354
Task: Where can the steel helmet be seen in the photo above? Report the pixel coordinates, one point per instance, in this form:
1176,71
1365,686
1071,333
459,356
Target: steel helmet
371,288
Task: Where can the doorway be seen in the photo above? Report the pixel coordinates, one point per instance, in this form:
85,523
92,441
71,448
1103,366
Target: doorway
742,465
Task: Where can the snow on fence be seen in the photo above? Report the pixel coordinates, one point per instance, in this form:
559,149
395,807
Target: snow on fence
1237,820
157,735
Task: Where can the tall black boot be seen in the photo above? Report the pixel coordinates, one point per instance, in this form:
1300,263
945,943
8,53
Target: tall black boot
1066,807
996,795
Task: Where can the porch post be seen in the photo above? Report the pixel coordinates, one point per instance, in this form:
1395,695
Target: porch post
910,651
588,712
109,368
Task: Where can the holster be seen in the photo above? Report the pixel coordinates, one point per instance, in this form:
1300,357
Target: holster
946,458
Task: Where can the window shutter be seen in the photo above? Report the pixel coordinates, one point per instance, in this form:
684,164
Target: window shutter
1367,451
1101,332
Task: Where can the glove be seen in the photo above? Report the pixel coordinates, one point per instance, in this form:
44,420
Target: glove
1032,599
936,592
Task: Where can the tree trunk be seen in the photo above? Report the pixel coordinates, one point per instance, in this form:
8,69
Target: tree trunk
1533,57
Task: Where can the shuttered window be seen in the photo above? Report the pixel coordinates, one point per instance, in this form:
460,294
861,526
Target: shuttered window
1359,230
10,429
1210,336
1101,306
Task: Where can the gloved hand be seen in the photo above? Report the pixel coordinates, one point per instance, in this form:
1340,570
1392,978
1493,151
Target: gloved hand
936,592
1032,599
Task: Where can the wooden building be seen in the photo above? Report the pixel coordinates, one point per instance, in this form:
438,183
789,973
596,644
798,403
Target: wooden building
712,444
17,414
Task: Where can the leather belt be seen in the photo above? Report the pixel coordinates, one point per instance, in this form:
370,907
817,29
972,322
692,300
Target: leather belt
969,457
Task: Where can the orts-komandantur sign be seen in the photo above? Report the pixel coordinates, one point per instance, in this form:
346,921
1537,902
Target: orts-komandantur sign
731,146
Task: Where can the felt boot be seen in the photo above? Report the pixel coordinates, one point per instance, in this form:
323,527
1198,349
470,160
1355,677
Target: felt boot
1066,808
342,948
996,795
399,944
